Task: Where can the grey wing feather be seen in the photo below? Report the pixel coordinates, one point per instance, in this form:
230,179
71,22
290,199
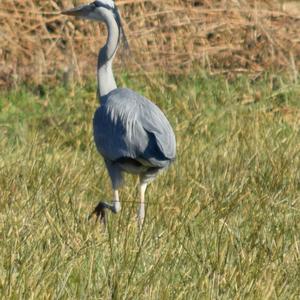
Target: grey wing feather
129,125
155,122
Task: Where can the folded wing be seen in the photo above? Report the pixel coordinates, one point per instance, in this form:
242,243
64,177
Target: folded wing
129,125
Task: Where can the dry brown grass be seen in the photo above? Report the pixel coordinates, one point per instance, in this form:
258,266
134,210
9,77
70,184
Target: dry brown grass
39,45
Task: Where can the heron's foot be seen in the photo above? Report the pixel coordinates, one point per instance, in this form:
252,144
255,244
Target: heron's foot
99,212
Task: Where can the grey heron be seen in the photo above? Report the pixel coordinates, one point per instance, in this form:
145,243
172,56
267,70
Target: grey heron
130,132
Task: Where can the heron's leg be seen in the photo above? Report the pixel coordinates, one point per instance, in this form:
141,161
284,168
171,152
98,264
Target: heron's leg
116,177
116,205
141,211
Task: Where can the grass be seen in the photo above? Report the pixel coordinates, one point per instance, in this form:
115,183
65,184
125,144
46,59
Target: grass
222,223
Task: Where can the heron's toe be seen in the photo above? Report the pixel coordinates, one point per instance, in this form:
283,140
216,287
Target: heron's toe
99,212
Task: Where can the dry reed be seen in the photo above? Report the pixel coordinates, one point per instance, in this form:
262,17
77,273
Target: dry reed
38,45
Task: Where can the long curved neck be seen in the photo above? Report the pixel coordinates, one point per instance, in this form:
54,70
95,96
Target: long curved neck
105,76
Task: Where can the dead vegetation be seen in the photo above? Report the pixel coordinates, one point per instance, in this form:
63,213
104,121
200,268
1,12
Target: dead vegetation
38,45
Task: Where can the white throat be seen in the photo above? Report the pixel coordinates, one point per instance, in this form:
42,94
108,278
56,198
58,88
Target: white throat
105,76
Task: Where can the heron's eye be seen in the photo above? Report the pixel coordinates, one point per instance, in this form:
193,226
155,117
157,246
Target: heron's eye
108,4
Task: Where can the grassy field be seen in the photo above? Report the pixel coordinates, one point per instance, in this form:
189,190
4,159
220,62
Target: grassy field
222,223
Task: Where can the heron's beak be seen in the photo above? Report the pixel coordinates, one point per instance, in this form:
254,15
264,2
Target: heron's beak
80,11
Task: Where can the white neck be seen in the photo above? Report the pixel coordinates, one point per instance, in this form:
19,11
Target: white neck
105,76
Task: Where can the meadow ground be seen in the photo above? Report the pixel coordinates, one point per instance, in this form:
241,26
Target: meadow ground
222,223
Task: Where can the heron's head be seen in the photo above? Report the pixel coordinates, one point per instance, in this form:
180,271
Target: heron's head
96,10
100,10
